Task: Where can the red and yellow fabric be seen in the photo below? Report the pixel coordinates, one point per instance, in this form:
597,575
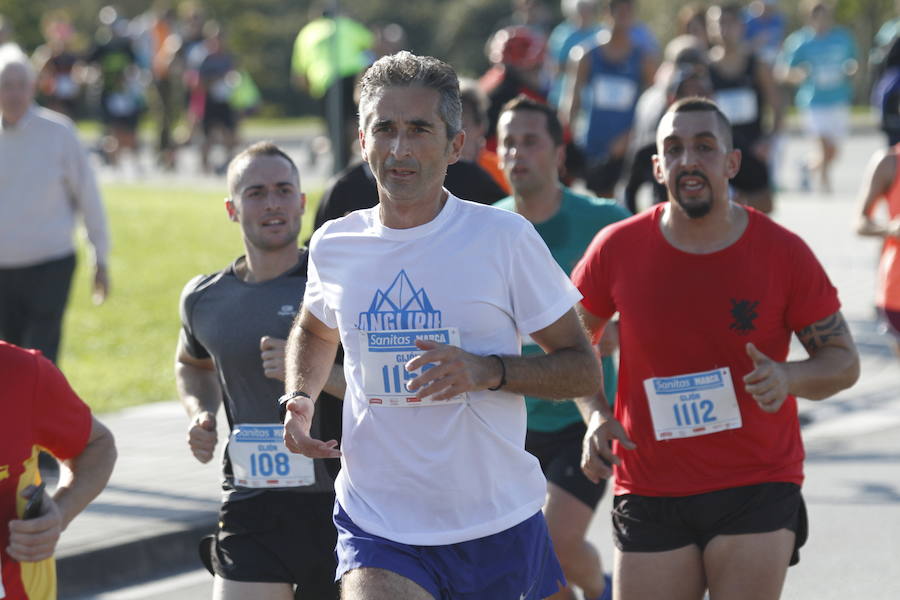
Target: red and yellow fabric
40,412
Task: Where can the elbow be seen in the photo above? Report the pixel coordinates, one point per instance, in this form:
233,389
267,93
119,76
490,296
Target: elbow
842,379
851,373
106,445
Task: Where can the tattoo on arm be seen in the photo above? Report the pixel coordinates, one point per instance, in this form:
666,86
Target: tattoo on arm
821,332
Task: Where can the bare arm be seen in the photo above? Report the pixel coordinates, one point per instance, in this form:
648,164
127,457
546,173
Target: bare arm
879,177
578,70
81,480
201,394
309,356
87,474
568,368
770,94
597,456
309,359
649,65
594,326
833,365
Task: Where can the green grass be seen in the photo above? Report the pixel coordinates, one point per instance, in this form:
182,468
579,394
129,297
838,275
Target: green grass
251,126
121,353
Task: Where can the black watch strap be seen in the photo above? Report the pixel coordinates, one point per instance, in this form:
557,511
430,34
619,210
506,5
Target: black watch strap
283,400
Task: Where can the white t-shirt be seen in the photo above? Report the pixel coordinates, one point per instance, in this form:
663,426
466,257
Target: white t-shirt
434,475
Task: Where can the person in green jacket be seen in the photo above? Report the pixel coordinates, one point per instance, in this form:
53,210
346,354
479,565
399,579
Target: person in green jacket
330,52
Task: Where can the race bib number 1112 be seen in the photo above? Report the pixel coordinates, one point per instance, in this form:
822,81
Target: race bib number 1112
692,404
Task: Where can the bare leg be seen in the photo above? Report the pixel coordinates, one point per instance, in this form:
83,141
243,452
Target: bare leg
673,575
749,566
828,152
380,584
226,589
568,519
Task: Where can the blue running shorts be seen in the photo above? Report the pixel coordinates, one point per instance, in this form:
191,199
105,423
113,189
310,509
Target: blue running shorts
517,564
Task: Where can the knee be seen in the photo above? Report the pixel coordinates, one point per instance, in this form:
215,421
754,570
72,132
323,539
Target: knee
569,548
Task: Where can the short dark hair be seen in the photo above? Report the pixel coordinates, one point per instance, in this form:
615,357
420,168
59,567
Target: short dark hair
523,102
405,69
265,148
699,104
473,99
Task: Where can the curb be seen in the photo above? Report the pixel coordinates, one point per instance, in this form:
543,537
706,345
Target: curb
79,575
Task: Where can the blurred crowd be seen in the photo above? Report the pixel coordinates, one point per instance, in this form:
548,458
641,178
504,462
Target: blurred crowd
173,63
610,79
601,68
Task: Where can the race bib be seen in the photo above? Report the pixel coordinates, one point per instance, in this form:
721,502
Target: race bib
614,93
259,458
738,104
693,404
383,356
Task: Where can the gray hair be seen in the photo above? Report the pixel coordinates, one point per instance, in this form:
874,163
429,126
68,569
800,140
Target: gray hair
405,69
11,55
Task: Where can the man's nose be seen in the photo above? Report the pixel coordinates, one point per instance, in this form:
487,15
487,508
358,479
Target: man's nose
400,146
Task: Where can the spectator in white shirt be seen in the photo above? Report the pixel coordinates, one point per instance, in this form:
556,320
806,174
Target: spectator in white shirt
46,184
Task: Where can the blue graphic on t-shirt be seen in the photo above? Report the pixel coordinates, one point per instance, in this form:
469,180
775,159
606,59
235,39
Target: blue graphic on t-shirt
401,306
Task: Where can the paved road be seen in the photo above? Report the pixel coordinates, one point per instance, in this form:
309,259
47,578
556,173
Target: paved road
853,444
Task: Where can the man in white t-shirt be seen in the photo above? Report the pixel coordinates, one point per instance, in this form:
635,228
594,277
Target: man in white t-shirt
430,295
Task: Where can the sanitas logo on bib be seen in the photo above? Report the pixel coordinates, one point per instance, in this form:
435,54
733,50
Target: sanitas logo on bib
401,306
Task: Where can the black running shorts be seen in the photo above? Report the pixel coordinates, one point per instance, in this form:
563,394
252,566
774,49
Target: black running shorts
658,524
559,453
281,537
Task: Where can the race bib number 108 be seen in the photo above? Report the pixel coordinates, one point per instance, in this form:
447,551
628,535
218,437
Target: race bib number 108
259,458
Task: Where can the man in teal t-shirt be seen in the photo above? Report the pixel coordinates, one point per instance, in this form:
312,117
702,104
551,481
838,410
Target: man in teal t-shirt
530,146
821,59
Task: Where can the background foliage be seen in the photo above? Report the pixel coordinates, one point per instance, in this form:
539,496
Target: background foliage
262,32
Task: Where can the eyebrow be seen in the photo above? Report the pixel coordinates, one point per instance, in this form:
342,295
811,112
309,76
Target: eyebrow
257,186
416,122
702,134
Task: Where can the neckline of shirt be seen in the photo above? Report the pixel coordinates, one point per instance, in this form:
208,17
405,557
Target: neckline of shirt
420,231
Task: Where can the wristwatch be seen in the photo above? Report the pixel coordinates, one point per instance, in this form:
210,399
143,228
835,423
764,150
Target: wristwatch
283,400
